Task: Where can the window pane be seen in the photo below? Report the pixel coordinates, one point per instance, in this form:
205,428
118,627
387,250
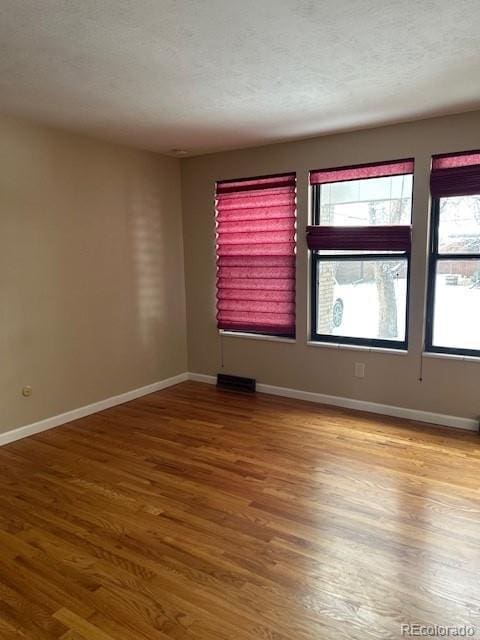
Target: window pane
459,227
372,201
362,298
457,304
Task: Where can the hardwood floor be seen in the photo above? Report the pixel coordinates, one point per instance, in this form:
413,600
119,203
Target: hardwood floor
199,514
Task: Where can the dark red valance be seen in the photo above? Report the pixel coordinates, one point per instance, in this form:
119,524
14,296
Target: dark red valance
256,254
372,238
255,184
360,172
455,174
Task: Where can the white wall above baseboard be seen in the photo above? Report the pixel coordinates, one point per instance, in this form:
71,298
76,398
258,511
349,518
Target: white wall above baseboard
75,414
358,405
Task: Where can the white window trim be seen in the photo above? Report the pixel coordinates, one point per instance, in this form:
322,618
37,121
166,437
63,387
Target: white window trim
255,336
450,356
356,347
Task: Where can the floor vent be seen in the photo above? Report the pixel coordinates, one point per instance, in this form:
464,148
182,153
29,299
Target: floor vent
236,383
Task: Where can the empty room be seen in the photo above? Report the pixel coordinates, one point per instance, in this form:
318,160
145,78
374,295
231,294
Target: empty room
239,319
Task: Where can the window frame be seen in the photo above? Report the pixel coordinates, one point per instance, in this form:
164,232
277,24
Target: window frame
434,257
316,257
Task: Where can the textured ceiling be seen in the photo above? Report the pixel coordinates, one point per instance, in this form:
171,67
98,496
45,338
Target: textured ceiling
203,75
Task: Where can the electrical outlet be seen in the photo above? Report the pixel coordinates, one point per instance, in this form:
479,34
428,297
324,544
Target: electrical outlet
359,370
27,391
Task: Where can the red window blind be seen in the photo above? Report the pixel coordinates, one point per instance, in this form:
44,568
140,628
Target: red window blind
360,172
375,238
455,174
360,238
255,221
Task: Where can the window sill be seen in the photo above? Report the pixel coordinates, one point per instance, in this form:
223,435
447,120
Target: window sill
255,336
356,347
450,356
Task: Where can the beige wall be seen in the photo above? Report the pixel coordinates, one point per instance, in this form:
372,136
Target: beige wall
449,386
92,297
91,271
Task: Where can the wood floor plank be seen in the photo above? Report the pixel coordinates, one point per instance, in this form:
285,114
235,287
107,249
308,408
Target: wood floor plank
80,626
197,514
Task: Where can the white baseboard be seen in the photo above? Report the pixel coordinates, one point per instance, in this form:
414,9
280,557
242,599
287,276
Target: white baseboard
202,377
75,414
348,403
358,405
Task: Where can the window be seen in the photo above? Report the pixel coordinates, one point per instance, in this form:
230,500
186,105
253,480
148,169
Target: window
255,224
360,254
453,307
